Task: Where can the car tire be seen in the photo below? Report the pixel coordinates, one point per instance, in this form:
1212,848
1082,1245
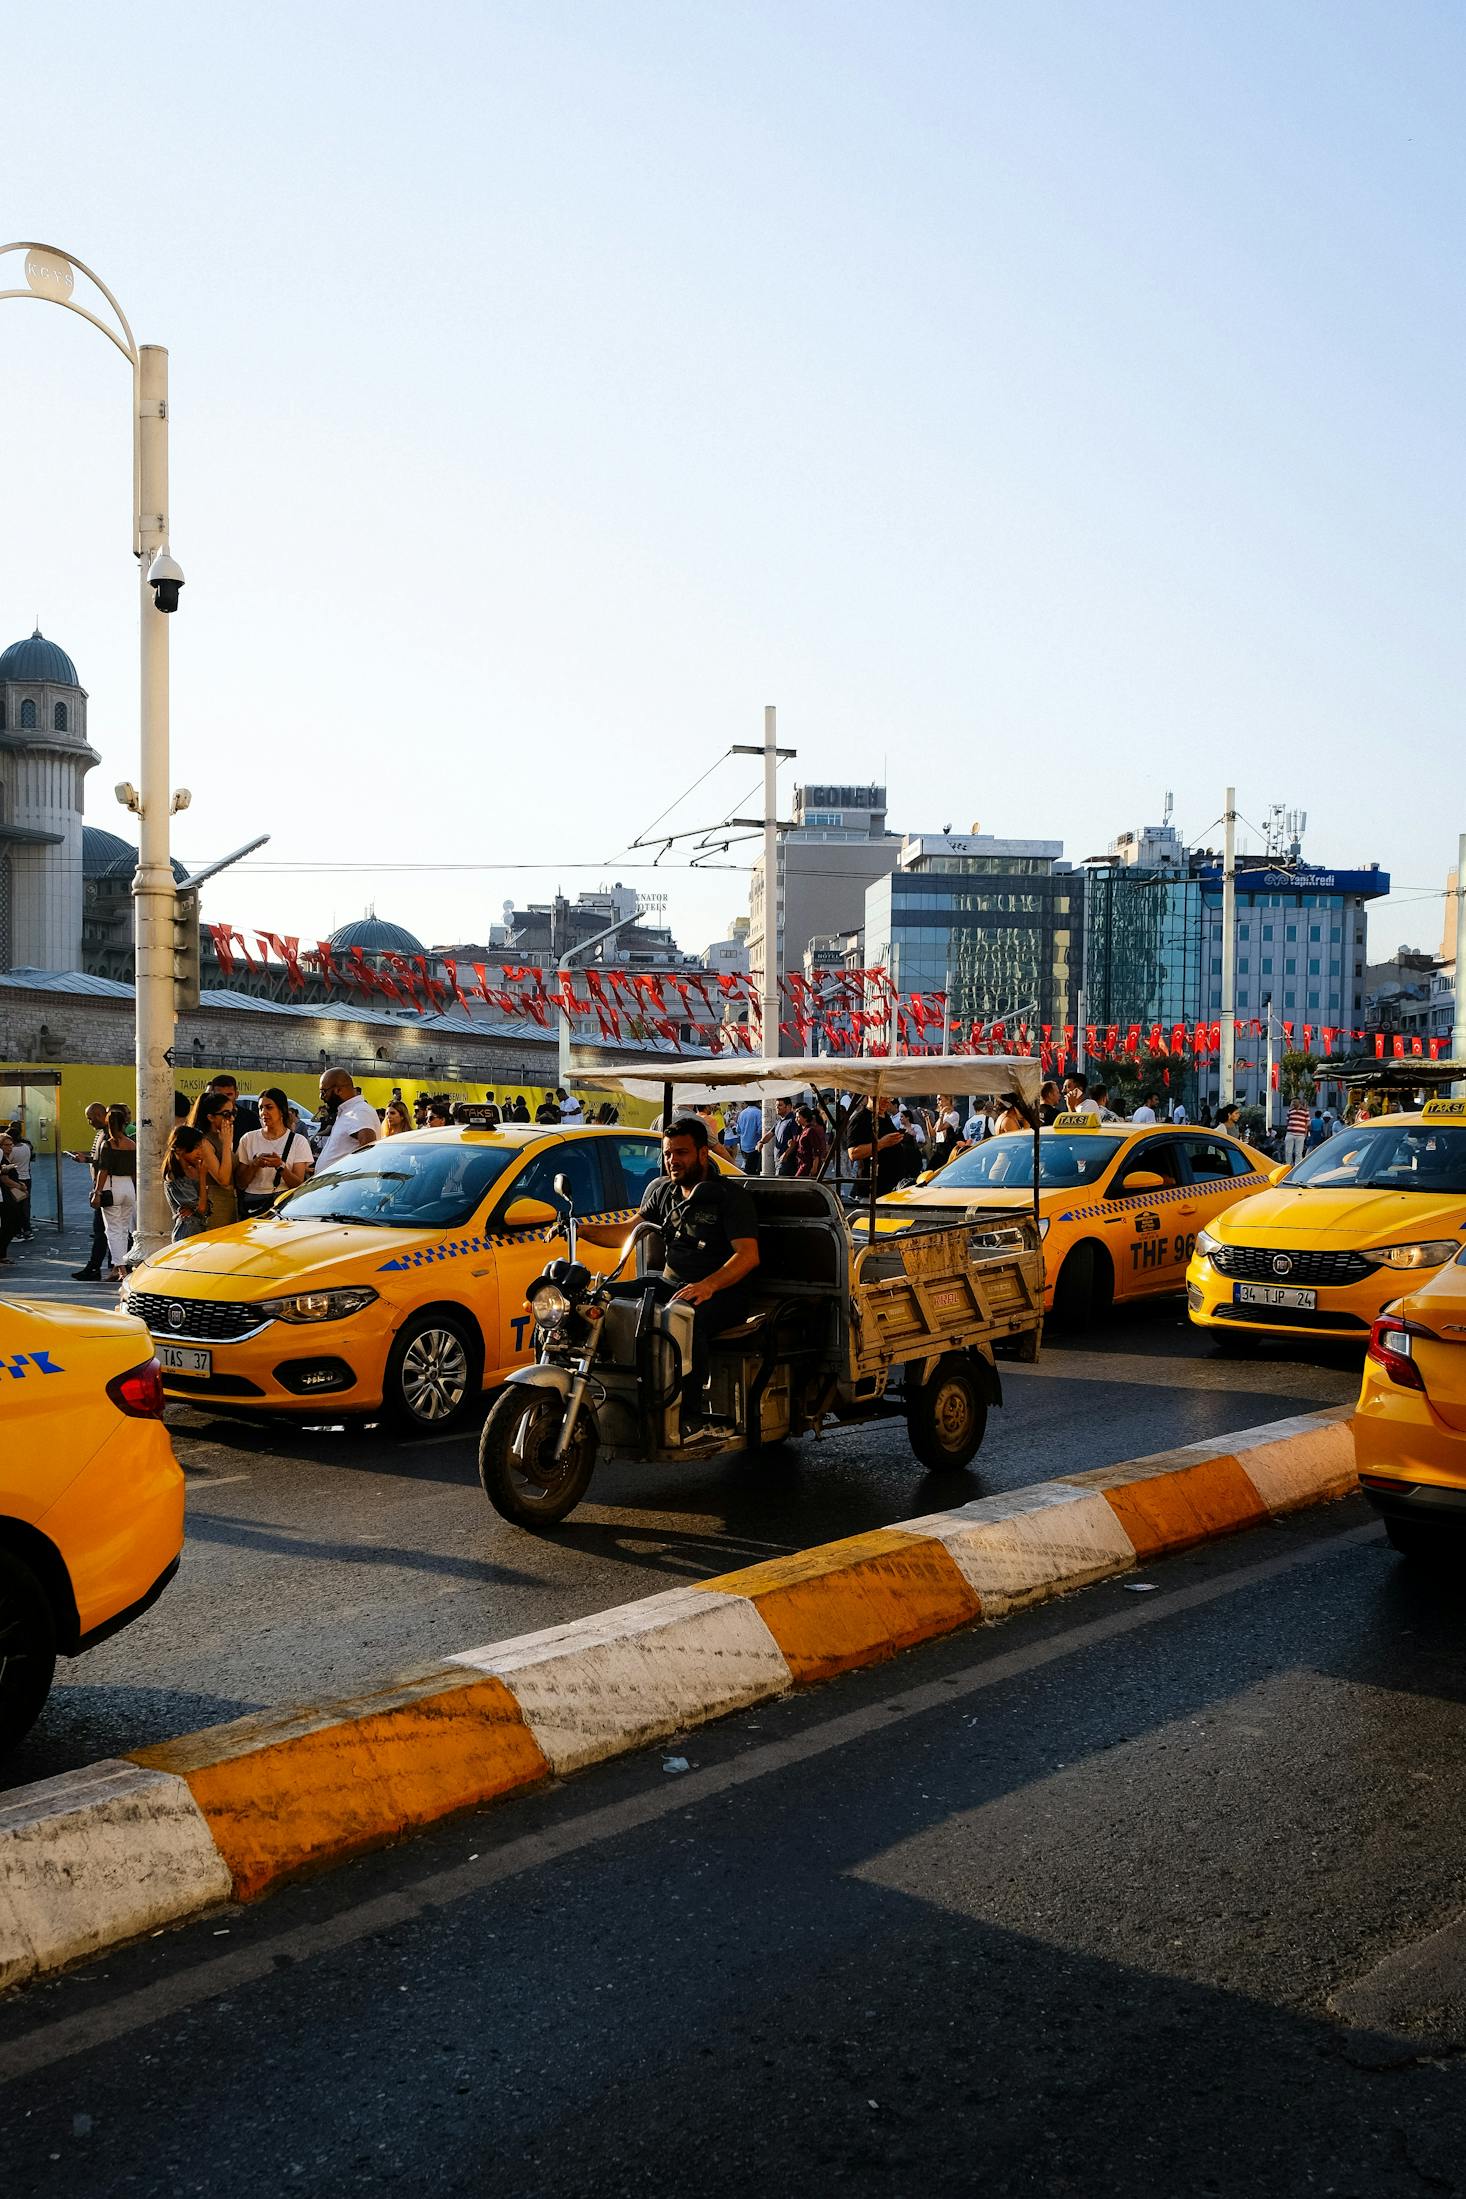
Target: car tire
947,1417
519,1479
27,1649
434,1373
1074,1292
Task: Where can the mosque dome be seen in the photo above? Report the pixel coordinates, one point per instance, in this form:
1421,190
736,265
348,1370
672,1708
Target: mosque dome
38,660
375,936
108,855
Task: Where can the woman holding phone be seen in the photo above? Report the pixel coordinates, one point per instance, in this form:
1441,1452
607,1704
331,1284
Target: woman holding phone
272,1159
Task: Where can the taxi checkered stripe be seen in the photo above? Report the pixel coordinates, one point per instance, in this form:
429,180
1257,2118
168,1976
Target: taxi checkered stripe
456,1247
1149,1198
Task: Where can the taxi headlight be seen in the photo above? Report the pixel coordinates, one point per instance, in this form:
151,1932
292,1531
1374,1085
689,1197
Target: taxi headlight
1207,1244
316,1305
1434,1253
549,1305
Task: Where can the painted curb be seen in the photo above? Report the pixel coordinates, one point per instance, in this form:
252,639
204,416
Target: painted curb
125,1846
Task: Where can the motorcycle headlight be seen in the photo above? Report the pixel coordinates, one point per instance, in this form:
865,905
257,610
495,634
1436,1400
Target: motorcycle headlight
315,1305
1207,1244
1434,1253
549,1305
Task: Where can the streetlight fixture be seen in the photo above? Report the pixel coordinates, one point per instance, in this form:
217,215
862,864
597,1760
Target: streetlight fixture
50,276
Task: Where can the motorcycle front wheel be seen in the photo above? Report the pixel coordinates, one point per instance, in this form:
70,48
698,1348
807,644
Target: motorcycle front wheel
522,1478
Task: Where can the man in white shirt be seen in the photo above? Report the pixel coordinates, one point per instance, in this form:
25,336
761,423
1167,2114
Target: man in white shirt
1145,1112
1178,1113
349,1122
20,1161
570,1107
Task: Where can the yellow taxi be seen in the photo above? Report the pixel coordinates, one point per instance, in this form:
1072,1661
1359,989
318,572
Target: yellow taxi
394,1283
1338,1235
1119,1203
91,1497
1410,1423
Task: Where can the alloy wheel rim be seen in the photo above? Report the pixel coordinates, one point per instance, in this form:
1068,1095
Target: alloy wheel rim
435,1374
534,1438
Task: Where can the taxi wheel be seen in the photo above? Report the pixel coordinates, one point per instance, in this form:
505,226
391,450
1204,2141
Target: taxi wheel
522,1478
947,1417
434,1373
27,1649
1074,1292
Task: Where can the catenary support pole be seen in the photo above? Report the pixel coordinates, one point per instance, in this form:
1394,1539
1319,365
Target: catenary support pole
1227,1053
152,885
773,915
1272,1055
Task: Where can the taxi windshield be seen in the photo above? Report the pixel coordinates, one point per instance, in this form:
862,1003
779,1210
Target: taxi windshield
397,1185
1006,1163
1402,1156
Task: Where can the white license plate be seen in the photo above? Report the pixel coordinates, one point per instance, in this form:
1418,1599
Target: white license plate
1273,1294
182,1359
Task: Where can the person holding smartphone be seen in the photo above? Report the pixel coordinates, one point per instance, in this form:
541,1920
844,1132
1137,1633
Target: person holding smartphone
272,1159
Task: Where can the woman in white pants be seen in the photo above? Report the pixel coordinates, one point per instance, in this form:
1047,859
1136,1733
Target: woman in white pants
116,1175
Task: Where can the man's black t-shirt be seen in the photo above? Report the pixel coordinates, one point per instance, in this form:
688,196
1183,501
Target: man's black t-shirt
892,1162
698,1231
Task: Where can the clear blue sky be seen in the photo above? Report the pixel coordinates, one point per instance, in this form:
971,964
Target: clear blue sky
1044,405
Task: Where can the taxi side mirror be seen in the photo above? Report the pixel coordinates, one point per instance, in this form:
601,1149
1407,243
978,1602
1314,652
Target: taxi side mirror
1276,1175
1145,1179
529,1214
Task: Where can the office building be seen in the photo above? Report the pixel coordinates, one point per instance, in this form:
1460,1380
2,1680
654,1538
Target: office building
995,923
837,845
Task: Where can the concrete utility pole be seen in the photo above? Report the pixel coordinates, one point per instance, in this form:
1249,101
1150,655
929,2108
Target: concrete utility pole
1458,1029
50,275
1227,1053
1267,1097
772,756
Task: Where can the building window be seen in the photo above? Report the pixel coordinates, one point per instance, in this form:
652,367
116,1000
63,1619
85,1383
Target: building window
1267,965
1267,931
58,718
28,716
1290,967
1290,1000
1313,967
1314,932
1313,1002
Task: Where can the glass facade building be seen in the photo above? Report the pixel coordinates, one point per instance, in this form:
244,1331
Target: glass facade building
997,924
1144,946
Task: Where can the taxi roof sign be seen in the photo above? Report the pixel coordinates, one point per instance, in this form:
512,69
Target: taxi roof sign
1455,1108
1076,1122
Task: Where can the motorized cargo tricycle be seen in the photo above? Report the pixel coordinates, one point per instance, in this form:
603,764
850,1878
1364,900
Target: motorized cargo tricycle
844,1325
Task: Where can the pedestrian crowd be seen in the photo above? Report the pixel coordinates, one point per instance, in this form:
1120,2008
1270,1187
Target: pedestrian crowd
230,1156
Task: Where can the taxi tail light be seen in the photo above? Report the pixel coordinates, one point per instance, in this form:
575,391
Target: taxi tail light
139,1392
1391,1346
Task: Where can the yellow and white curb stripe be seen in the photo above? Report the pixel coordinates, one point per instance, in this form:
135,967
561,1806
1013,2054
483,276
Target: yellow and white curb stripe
127,1846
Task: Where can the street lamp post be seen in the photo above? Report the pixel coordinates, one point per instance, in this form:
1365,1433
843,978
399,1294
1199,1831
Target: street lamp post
50,275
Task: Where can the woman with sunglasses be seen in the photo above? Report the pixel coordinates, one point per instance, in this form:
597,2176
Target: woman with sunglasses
213,1114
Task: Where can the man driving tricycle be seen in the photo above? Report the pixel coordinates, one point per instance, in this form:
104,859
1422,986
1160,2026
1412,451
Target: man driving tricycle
756,1314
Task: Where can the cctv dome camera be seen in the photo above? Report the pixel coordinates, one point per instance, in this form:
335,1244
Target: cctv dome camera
165,578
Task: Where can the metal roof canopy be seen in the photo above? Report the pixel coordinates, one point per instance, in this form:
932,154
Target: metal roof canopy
1397,1072
903,1076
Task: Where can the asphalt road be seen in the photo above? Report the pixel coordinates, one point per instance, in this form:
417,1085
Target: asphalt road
321,1561
1149,1895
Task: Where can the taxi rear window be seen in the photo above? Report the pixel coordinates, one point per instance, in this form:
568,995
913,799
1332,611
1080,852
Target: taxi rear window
1412,1156
1006,1163
397,1184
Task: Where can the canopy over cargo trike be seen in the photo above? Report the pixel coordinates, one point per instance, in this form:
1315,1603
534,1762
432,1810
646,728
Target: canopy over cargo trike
841,1324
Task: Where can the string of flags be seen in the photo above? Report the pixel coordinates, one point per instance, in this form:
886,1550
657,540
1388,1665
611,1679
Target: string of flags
853,1011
